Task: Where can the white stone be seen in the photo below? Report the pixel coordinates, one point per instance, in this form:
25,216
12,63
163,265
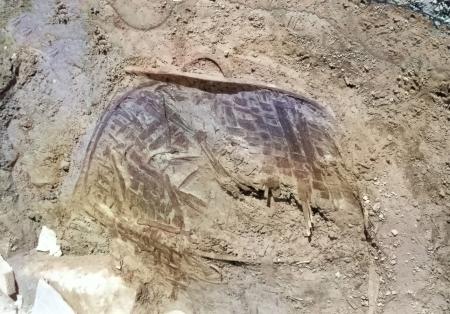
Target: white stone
19,301
7,282
48,243
394,232
7,305
49,301
376,206
4,246
86,283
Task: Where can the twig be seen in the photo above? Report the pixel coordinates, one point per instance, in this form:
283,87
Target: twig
350,303
373,289
236,260
227,259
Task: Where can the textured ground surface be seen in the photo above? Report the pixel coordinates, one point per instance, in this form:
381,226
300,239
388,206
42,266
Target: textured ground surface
381,73
176,170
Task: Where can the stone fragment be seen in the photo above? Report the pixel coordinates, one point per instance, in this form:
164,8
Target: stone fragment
19,301
4,246
64,165
7,282
87,283
41,176
349,82
376,207
48,243
394,232
7,305
49,301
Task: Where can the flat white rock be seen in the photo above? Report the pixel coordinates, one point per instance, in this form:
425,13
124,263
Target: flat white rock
48,242
7,281
7,305
49,301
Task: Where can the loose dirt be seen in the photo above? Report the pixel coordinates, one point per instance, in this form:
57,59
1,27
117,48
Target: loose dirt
380,74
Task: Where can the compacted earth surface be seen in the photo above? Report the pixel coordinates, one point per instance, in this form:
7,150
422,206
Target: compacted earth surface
227,156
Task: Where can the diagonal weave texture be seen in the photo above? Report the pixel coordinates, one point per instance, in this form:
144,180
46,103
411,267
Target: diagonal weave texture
168,160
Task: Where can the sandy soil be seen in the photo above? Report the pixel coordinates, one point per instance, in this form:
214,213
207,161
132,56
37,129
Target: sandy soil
383,71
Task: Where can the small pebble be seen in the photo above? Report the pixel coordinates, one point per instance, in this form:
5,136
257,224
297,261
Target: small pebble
65,165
